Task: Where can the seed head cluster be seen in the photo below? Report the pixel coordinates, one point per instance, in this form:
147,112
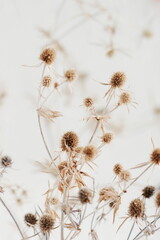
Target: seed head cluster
148,191
46,223
85,195
47,81
107,138
89,152
30,219
117,169
69,141
136,208
155,156
125,175
118,79
70,75
88,102
6,161
125,98
48,56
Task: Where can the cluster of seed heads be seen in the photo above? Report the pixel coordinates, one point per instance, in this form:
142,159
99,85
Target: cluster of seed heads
48,56
155,156
70,75
118,79
89,152
136,208
47,81
85,195
148,191
69,141
6,161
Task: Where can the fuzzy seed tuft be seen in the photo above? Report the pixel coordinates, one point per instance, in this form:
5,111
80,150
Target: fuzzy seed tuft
48,56
30,219
69,141
85,195
118,79
46,223
155,156
136,208
148,191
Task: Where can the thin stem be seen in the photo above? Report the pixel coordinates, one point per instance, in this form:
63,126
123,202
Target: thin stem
12,217
94,214
95,130
131,231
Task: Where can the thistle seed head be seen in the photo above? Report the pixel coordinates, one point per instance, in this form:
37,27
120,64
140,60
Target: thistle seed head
136,208
47,81
70,75
108,193
118,79
125,175
107,138
85,195
48,56
117,169
30,219
69,141
148,191
46,223
155,156
88,102
89,152
125,98
6,161
157,200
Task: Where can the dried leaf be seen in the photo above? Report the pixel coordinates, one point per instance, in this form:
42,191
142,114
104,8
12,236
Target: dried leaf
48,114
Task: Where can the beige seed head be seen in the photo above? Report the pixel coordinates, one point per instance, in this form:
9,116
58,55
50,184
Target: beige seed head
148,191
117,169
125,175
85,195
88,102
48,56
89,152
107,138
46,223
125,98
69,141
136,208
155,156
47,81
108,193
70,75
118,79
157,200
30,219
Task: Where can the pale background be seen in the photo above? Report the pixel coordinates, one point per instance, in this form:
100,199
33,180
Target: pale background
21,43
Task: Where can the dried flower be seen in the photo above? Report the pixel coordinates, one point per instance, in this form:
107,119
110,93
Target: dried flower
46,223
69,141
46,81
54,201
48,55
107,138
107,193
6,161
48,114
158,199
118,79
136,208
148,191
125,98
30,219
117,169
155,156
125,175
56,84
89,152
85,195
88,102
70,75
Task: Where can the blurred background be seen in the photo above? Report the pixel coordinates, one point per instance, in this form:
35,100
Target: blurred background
97,38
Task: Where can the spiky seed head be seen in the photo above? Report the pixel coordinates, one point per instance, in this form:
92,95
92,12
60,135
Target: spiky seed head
69,141
117,169
70,75
107,138
125,175
89,152
46,223
30,219
85,195
148,191
118,79
88,102
157,200
136,208
155,156
6,161
125,98
107,193
48,56
46,81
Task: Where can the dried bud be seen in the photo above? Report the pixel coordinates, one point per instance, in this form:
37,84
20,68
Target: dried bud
48,55
125,175
6,161
54,201
85,195
108,193
158,199
117,169
155,156
118,79
47,81
30,219
70,75
46,223
56,85
107,138
136,208
69,141
125,98
88,102
148,191
89,152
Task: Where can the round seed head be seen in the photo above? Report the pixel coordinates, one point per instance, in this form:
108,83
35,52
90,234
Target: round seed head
56,84
118,79
148,191
125,98
117,169
136,208
46,223
70,75
69,141
85,195
88,102
30,219
125,175
158,199
89,152
48,56
155,156
107,138
6,161
47,81
78,149
107,193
